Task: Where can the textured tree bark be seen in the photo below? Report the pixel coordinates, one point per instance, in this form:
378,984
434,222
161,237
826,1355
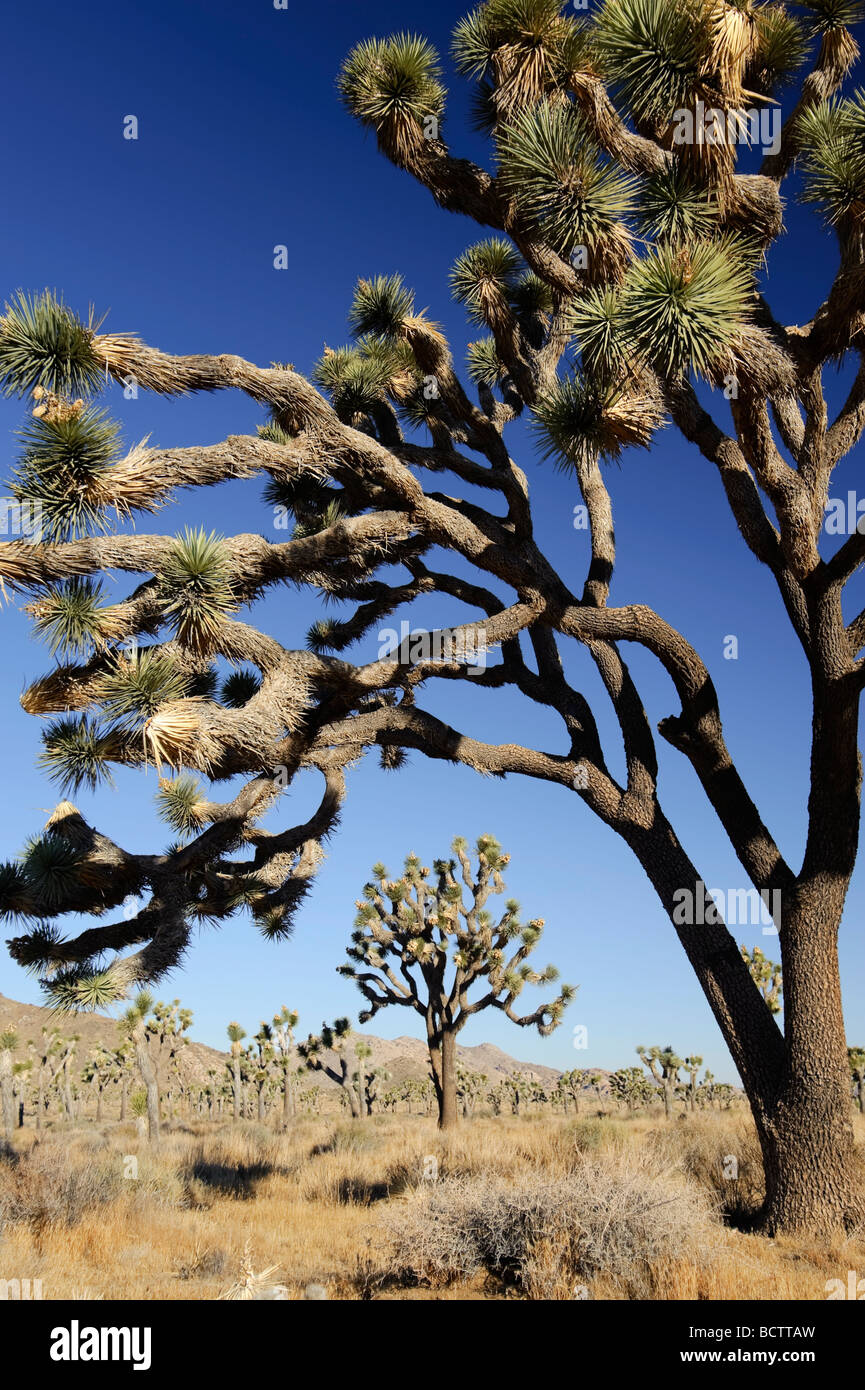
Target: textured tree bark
235,1084
814,1176
443,1051
6,1096
448,1111
151,1086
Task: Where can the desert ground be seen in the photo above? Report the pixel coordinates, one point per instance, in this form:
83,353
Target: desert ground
601,1206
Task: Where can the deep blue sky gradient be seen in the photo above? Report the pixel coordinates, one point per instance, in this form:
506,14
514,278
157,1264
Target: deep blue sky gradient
243,145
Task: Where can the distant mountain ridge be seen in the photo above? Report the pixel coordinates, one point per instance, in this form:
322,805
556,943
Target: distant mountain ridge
404,1058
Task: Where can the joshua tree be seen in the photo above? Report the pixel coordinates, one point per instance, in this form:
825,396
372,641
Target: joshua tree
97,1072
663,1065
692,1065
470,1087
630,1086
236,1034
333,1039
260,1059
20,1075
856,1059
284,1024
442,948
575,1082
9,1042
706,1093
767,976
310,1099
620,270
134,1026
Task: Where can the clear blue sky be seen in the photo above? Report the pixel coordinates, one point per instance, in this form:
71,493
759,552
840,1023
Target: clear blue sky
243,145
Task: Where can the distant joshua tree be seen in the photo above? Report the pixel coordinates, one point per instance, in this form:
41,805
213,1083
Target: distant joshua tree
664,1066
767,976
284,1024
441,948
9,1042
631,1087
236,1034
856,1058
334,1039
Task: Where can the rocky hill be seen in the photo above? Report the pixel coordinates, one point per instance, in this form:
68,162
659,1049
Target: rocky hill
403,1058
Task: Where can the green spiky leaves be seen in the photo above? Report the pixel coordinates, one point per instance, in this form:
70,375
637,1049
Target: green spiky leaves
580,420
672,208
684,307
135,687
44,344
61,468
484,276
50,865
654,52
69,618
527,47
832,138
566,191
380,306
195,586
179,802
77,753
394,86
82,990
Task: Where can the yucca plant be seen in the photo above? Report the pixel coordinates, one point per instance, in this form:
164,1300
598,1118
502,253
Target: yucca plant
134,687
181,804
684,306
832,140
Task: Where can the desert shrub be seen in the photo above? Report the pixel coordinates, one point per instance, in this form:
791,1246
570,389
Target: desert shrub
353,1137
49,1187
612,1218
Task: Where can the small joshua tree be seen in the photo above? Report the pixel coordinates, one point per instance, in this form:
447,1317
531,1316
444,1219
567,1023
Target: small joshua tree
133,1025
631,1087
767,976
441,948
692,1066
8,1044
236,1034
260,1060
284,1024
664,1066
333,1039
856,1058
470,1086
97,1072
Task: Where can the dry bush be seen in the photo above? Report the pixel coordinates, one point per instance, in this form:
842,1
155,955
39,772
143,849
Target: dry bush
44,1188
612,1218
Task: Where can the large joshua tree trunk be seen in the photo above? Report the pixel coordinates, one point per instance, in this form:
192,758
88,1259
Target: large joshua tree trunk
443,1058
797,1082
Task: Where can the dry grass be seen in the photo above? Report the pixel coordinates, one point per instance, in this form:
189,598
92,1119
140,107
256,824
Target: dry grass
388,1208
